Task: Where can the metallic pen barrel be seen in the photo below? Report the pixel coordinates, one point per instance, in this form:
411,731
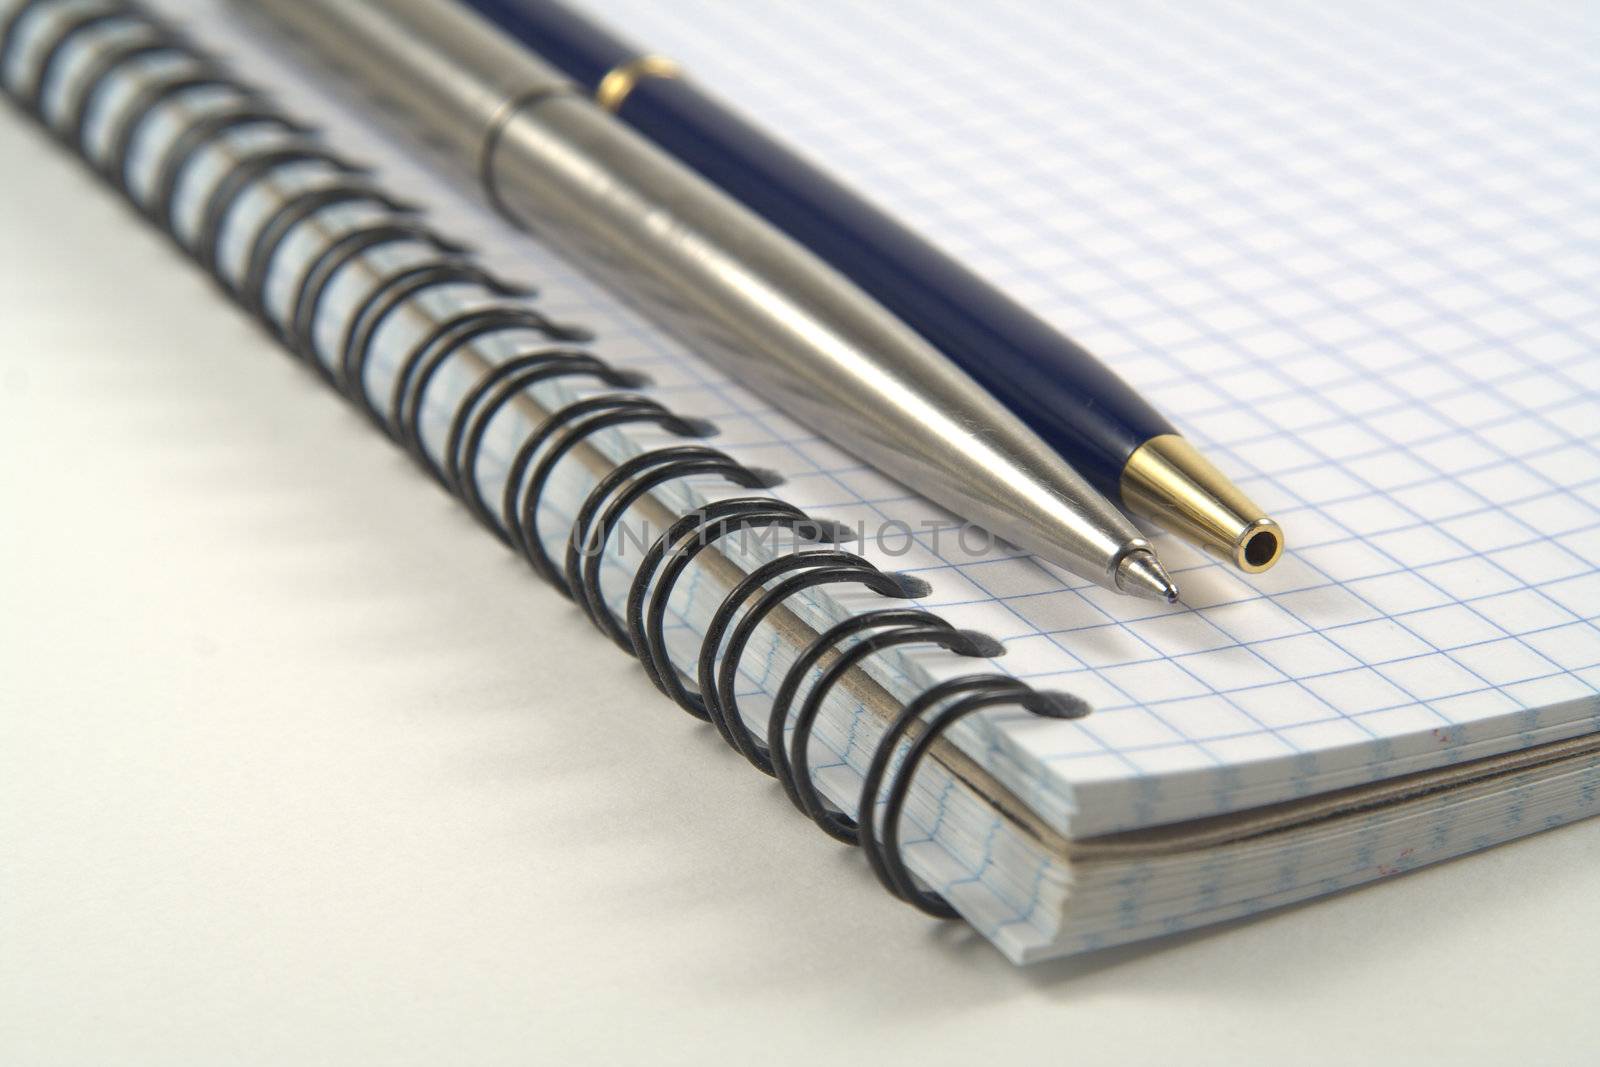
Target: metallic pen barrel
743,294
1075,403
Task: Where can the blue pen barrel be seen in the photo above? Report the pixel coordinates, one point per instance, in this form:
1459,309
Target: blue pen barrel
582,50
1064,394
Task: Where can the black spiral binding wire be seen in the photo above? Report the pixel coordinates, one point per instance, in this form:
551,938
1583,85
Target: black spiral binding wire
815,562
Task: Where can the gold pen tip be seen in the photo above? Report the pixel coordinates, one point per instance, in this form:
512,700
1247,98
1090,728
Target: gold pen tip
1258,546
1140,574
1170,483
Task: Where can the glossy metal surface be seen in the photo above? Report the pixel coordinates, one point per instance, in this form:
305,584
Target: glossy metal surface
744,295
1169,482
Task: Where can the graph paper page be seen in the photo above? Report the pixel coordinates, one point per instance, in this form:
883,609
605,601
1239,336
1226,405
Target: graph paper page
1351,252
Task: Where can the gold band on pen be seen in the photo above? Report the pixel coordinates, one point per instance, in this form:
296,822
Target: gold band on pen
620,79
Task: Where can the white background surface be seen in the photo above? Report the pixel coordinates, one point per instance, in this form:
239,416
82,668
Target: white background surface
298,766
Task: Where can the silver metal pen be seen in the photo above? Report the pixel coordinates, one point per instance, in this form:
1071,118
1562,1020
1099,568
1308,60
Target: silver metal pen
753,301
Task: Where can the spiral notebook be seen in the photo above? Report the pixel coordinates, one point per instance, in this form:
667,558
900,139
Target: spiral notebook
1352,260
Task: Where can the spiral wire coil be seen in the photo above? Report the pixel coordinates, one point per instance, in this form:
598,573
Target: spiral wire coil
124,43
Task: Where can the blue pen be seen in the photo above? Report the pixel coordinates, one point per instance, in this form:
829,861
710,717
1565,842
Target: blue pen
1064,394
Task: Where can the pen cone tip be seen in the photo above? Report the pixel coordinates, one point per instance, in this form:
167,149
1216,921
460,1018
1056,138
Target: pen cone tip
1170,483
1140,574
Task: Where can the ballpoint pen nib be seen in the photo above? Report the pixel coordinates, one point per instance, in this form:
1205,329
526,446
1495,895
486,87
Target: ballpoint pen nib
1140,574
